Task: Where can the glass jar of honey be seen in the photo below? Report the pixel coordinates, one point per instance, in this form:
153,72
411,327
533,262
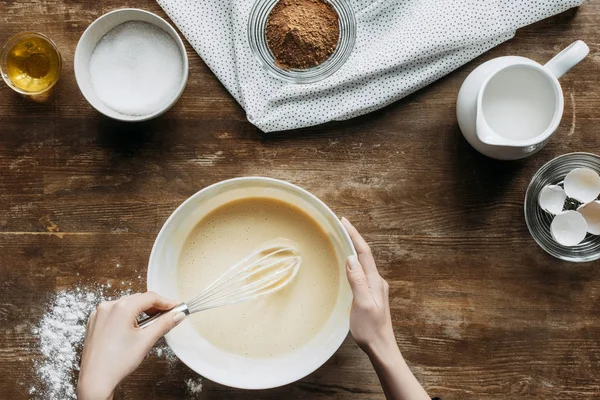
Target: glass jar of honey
30,63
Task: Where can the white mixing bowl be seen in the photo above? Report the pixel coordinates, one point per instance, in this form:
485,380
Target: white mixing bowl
202,356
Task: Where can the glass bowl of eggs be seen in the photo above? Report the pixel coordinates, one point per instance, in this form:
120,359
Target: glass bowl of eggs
562,207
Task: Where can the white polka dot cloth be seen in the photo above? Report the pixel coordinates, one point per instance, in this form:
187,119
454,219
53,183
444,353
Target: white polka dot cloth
401,46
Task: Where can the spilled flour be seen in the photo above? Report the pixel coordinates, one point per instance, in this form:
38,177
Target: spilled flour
60,335
194,386
161,350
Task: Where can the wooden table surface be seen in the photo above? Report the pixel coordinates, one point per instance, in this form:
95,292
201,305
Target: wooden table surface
479,310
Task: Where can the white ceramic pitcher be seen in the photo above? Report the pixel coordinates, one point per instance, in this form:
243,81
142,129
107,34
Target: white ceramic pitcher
509,107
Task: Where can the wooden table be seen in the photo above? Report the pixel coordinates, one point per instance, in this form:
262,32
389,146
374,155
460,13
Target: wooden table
479,310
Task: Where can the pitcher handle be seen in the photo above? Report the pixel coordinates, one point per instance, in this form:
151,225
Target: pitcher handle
568,58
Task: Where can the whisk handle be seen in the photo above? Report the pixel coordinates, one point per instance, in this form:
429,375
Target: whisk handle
146,321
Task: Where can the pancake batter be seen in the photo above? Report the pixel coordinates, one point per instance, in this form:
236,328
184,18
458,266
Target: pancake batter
277,323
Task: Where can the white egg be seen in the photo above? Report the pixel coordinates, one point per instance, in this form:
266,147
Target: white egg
569,228
591,213
552,199
582,184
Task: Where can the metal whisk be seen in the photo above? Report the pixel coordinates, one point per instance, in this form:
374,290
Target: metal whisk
261,273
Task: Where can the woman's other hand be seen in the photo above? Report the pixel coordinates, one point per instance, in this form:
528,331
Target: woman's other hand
371,323
370,318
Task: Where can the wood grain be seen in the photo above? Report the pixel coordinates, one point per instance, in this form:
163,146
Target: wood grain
479,310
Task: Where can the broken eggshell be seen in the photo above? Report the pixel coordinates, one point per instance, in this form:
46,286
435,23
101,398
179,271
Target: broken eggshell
569,228
552,199
582,184
591,214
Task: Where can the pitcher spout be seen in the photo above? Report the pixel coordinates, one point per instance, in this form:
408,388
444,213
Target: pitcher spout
486,134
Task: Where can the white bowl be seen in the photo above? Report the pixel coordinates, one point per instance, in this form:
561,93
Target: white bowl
217,364
90,38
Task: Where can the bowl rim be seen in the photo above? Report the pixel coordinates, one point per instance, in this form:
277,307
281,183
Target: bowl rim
79,69
345,328
528,194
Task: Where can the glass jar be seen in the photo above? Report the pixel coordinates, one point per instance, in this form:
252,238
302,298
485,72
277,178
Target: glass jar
257,23
30,63
538,220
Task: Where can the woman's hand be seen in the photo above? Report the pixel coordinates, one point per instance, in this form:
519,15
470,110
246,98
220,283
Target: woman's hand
370,317
115,346
371,323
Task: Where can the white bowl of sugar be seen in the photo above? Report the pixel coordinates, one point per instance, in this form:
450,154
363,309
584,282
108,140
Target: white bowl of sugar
131,65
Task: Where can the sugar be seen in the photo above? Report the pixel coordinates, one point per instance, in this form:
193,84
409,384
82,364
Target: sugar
136,68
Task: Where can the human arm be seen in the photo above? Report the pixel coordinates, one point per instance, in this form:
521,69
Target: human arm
371,323
115,346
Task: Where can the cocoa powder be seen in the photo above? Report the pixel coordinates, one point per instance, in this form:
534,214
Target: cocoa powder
302,33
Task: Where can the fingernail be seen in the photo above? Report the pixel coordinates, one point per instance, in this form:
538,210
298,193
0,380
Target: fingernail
352,262
178,317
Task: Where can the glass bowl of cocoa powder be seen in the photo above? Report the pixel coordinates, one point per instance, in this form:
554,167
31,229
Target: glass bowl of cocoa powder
302,41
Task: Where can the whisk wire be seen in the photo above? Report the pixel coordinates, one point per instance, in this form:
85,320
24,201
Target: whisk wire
222,292
236,271
242,297
263,272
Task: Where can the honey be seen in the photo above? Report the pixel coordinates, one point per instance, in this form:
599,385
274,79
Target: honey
31,63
